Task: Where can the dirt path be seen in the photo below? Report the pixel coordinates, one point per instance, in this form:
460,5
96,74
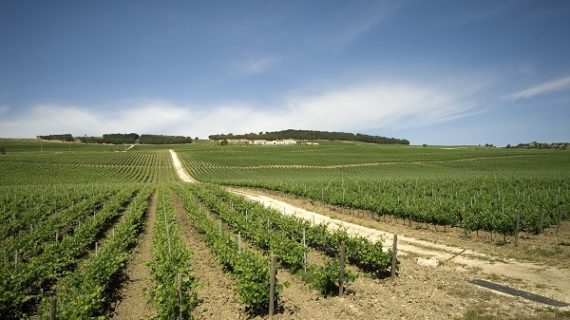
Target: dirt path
180,168
549,281
130,147
133,303
217,299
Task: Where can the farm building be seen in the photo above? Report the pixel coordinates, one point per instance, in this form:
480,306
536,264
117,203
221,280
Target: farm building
275,142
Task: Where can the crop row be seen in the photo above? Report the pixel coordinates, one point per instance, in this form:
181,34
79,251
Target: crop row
172,293
84,293
29,218
21,283
367,255
54,169
249,270
51,229
21,204
477,205
290,253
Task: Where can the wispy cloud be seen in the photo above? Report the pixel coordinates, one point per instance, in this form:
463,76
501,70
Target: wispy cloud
356,108
544,88
256,66
367,21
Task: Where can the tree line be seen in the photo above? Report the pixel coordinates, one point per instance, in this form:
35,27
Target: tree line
311,135
121,138
542,145
57,137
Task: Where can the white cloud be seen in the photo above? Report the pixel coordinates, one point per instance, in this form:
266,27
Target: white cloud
547,87
256,66
357,108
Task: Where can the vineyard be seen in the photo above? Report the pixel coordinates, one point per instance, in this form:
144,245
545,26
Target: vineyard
70,221
289,238
502,191
58,168
74,221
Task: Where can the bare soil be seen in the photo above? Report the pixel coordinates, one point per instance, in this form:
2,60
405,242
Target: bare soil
133,303
419,293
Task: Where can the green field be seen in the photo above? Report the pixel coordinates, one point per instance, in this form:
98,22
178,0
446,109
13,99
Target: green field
57,200
472,187
71,213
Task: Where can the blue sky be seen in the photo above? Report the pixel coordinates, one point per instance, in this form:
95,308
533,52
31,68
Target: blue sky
436,72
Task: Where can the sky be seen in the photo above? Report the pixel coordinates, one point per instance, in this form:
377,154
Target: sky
434,72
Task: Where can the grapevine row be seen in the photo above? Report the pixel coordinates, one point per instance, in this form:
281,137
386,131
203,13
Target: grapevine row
172,292
20,284
83,293
250,270
290,253
367,255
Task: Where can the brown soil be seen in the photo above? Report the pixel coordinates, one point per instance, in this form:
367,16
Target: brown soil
217,298
419,293
133,303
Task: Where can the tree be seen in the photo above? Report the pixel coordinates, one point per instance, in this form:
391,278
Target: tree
161,139
224,142
2,150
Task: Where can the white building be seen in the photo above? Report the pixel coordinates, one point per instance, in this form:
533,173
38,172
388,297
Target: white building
275,142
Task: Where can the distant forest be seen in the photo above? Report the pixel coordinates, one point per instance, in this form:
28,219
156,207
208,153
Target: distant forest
311,135
160,139
120,138
542,145
57,137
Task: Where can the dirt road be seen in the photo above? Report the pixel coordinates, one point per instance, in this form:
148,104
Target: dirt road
180,168
552,281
